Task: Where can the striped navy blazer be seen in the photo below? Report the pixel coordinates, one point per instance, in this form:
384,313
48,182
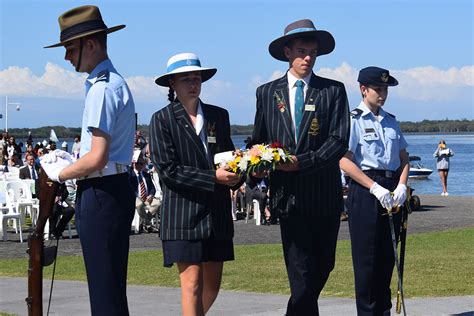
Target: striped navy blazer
315,189
193,204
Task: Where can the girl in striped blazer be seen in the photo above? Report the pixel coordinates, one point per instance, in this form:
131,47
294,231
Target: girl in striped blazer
196,220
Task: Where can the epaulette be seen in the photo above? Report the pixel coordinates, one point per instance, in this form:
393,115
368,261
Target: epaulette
390,114
102,76
356,112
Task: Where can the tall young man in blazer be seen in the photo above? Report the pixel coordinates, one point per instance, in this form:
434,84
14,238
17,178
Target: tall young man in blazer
309,116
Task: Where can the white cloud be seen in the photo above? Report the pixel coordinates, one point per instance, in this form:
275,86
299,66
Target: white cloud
258,80
433,84
55,82
145,89
344,73
424,84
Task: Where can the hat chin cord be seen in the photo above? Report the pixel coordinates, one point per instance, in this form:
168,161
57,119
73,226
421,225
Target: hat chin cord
80,54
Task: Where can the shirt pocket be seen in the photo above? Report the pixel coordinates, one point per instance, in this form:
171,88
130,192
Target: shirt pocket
392,141
371,146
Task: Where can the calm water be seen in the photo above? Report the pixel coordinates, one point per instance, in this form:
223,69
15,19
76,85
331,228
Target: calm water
461,173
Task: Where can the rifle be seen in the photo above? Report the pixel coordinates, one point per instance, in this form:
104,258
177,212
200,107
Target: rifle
403,239
40,256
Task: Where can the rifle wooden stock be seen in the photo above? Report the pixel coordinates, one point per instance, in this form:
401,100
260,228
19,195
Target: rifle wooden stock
47,195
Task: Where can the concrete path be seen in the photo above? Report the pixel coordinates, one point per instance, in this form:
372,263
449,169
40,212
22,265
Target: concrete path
71,298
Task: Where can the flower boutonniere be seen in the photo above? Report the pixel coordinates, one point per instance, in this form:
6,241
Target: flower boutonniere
280,103
211,132
314,127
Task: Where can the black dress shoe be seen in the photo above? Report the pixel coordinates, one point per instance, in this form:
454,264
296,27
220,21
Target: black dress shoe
152,229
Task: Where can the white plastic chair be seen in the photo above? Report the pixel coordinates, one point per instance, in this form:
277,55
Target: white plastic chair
9,211
256,212
136,222
13,173
23,198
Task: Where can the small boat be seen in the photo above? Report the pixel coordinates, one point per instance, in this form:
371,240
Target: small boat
417,170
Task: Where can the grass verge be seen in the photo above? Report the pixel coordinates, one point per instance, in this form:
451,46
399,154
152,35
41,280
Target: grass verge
437,264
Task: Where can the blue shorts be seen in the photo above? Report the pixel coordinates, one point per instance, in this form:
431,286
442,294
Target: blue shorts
197,251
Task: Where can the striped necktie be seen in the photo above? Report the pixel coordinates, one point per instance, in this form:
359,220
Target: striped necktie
299,105
143,194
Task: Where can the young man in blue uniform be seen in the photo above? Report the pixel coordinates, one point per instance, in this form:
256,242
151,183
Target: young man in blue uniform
105,202
377,164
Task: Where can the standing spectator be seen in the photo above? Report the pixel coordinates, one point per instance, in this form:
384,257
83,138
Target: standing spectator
105,202
308,115
442,154
196,223
11,149
2,148
76,147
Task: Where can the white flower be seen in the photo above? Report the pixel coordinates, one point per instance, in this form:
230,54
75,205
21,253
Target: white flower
243,164
267,155
282,154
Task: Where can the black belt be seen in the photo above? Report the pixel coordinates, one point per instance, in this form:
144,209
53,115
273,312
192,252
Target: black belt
381,173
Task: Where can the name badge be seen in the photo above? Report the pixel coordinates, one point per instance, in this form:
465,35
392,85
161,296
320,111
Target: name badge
211,139
370,136
310,107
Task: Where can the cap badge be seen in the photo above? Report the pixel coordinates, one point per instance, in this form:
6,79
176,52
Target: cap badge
384,77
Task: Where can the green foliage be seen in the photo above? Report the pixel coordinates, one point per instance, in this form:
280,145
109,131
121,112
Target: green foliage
437,264
43,132
425,126
442,126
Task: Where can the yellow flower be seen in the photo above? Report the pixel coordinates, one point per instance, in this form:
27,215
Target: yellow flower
276,156
233,166
254,160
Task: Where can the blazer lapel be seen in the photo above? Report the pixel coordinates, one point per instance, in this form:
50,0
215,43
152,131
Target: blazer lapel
312,98
210,123
187,126
282,107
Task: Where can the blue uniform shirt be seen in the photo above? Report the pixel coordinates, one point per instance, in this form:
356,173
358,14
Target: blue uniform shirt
109,107
376,144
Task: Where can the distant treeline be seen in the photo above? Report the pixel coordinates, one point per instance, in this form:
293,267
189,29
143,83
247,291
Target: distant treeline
444,126
425,126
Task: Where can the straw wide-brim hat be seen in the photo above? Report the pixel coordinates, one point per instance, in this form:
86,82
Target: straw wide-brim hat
181,63
302,28
80,22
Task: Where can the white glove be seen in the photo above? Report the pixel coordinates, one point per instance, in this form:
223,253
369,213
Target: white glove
54,162
400,194
383,195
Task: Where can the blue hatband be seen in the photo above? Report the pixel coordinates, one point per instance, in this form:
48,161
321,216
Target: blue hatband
303,29
183,63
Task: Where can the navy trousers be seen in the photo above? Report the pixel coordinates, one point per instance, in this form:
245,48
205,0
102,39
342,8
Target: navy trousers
309,247
104,212
372,249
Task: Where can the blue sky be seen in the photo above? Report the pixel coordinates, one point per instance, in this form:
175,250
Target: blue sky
427,46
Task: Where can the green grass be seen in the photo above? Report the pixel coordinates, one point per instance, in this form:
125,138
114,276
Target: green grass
437,264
